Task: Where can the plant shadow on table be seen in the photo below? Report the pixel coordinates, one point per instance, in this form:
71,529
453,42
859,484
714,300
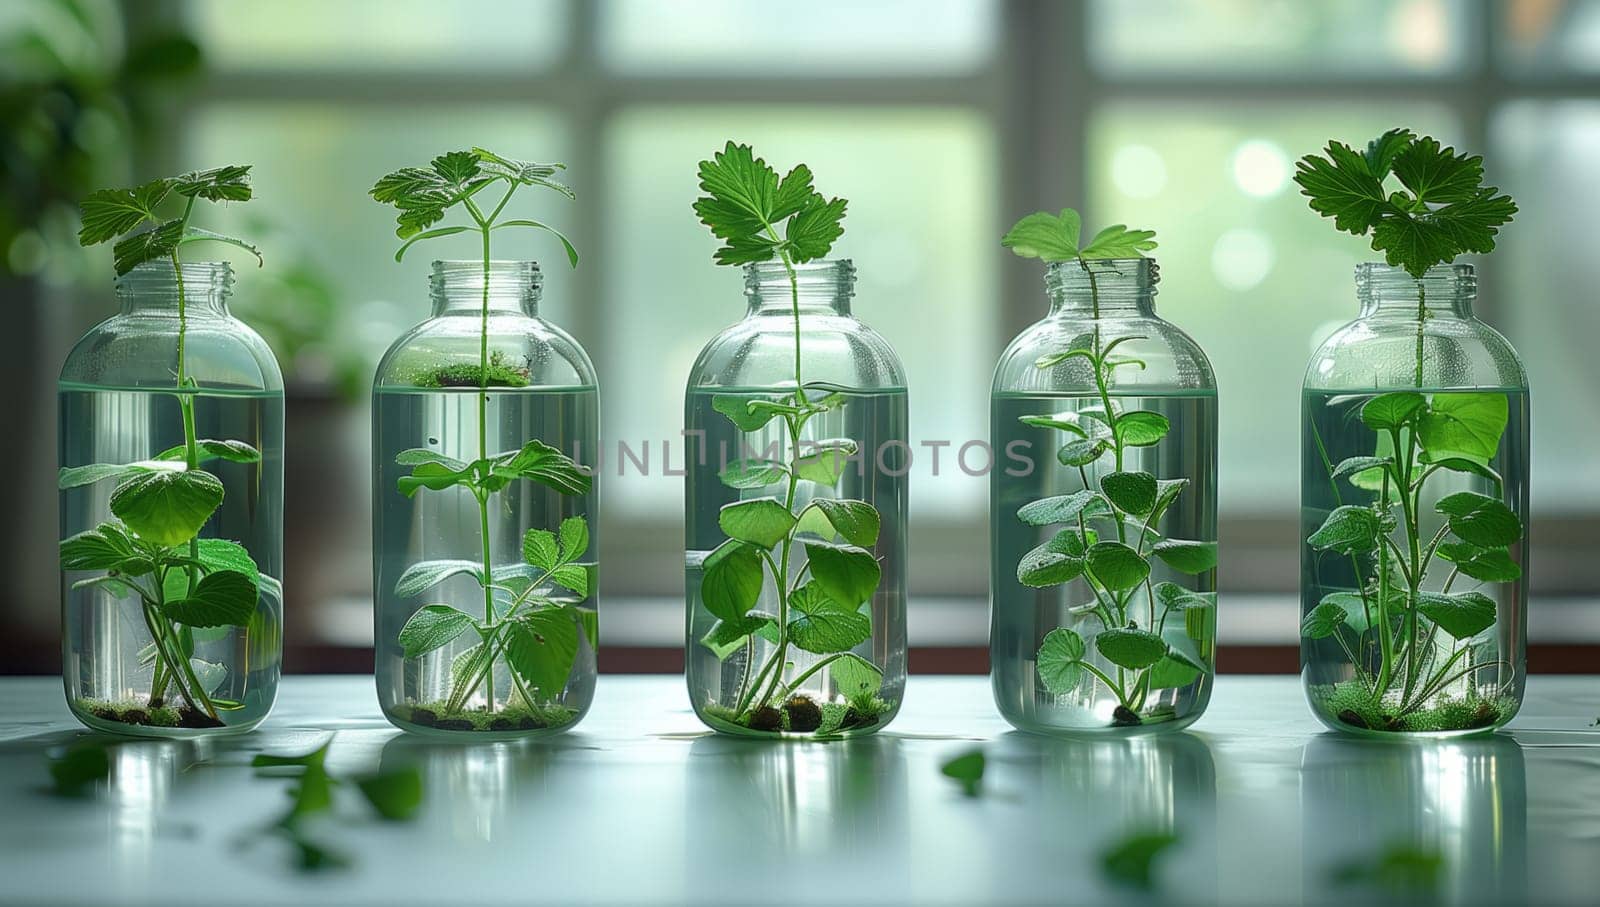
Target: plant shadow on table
1098,793
1439,820
834,811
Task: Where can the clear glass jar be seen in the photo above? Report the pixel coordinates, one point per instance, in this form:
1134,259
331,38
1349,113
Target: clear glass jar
1103,527
485,604
171,448
795,527
1413,508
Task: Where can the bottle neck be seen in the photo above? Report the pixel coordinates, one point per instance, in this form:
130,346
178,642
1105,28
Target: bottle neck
818,288
1447,291
1102,288
463,288
155,288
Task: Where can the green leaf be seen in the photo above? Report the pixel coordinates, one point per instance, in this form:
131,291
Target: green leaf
813,231
1183,648
79,767
1462,615
1462,464
762,522
167,507
105,547
855,676
1131,862
424,575
423,195
566,244
1435,174
1381,151
1060,661
436,233
1141,428
232,451
1117,241
160,241
109,213
1351,466
745,205
1051,237
826,625
1341,186
225,598
539,548
1051,422
431,627
849,575
1117,566
230,183
1393,410
752,474
1057,561
574,538
1132,492
967,770
1347,530
541,647
1082,451
539,462
196,234
395,795
1491,565
1466,426
1322,621
416,456
1130,647
726,636
732,580
79,476
577,577
222,554
434,475
739,412
1480,519
1065,508
826,461
1187,556
1171,673
857,522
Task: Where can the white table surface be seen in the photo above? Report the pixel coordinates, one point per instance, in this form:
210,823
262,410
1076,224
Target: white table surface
640,805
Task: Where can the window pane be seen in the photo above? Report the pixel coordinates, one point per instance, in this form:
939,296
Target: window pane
397,34
312,217
1246,268
925,259
767,38
1354,36
1551,37
1544,288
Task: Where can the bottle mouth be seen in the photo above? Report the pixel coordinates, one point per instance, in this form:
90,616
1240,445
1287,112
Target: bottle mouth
198,278
817,282
451,276
1376,278
1108,278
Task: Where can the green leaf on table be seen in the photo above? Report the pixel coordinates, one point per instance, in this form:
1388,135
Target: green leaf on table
1141,428
1130,647
75,770
967,771
1063,508
826,625
731,580
1186,555
167,507
1480,519
752,473
1464,426
225,598
826,461
1131,861
849,575
1117,566
1132,492
395,795
431,627
1462,615
1060,661
1347,530
1390,411
424,575
855,677
762,522
541,647
857,522
1491,565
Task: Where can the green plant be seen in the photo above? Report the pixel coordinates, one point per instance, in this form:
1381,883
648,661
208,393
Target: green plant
1110,533
966,770
153,549
1441,210
535,633
759,217
1391,619
1131,861
394,795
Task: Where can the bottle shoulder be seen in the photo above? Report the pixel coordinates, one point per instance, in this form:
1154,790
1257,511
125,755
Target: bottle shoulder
138,351
1160,357
1374,353
759,351
530,350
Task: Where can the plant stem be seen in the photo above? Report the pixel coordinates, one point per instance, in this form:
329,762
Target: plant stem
482,497
1422,317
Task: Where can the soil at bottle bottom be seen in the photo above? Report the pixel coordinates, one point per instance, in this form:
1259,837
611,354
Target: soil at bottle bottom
1351,703
143,713
804,715
509,718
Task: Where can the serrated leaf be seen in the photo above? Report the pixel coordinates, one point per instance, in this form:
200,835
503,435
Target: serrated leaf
541,646
225,598
1117,241
1186,555
230,183
109,213
1060,661
424,575
577,577
1480,519
1381,151
1462,615
732,580
574,538
762,522
167,507
157,242
1129,647
105,547
1347,530
540,549
1131,492
1393,410
1435,174
1341,186
849,575
1046,236
432,627
1116,565
813,231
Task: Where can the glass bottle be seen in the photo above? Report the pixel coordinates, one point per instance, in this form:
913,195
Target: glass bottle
481,383
1103,511
796,540
171,447
1413,503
